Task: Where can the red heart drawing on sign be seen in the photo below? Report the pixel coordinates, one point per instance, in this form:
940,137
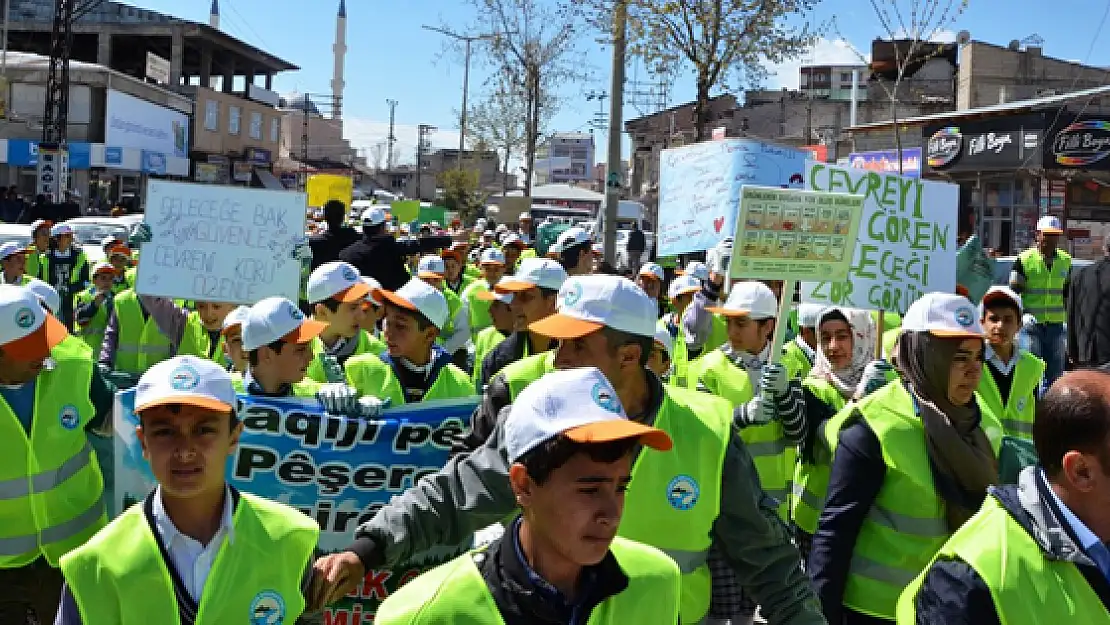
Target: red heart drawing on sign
718,223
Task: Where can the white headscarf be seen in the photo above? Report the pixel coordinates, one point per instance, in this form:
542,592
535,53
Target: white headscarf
863,350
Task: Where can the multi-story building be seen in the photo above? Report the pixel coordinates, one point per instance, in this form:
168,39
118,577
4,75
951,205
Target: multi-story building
565,157
833,82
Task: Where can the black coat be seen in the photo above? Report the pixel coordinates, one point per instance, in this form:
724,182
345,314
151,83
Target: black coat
327,246
1089,315
383,258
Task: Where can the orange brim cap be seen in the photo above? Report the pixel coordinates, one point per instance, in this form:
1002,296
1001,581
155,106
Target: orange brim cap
110,270
513,286
354,293
198,401
37,345
232,328
955,334
397,300
430,275
119,249
563,327
619,430
1051,231
304,333
487,296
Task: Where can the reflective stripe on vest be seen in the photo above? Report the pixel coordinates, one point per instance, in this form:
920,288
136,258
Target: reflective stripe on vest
811,480
1043,293
141,344
46,480
1016,412
17,545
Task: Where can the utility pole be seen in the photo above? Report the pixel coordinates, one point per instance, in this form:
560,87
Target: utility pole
613,180
423,130
392,138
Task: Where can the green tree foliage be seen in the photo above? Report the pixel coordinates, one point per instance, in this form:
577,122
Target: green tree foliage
462,193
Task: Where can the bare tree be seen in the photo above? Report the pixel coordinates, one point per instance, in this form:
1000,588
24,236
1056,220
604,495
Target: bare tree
499,121
534,55
377,155
912,26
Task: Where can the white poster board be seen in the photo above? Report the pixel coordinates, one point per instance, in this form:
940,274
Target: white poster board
906,245
221,244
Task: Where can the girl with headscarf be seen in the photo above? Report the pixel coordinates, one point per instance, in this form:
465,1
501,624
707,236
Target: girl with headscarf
911,463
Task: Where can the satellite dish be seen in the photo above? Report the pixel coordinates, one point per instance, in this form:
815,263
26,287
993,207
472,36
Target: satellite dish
963,37
1015,45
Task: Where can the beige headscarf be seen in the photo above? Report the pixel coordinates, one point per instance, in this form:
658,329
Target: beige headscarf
957,445
863,349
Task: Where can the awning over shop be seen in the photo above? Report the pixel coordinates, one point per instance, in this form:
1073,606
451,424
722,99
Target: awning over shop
265,179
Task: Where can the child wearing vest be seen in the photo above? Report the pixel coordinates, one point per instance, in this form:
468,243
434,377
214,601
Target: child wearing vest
680,292
119,255
142,567
93,306
455,332
414,368
1011,375
372,306
798,354
492,265
500,310
66,268
190,332
660,360
337,294
13,262
40,243
235,358
571,446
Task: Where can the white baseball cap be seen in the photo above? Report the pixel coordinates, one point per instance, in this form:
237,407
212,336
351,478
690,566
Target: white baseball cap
278,319
419,296
749,299
495,296
373,216
103,267
589,303
944,315
235,319
186,380
682,285
524,215
513,239
431,267
47,294
534,272
373,296
502,228
492,256
555,405
488,233
1050,225
997,293
61,229
664,339
9,248
652,270
808,314
697,269
41,223
27,331
336,280
573,236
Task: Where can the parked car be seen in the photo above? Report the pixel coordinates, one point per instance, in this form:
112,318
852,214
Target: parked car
88,232
19,233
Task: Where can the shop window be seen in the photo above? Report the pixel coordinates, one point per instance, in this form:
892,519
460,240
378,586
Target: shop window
212,115
233,115
256,126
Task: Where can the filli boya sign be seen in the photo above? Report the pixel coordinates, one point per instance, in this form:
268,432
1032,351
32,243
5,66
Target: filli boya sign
1082,143
997,144
944,147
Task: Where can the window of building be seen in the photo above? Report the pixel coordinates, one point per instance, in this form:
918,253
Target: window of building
845,76
397,182
275,130
212,115
256,125
233,115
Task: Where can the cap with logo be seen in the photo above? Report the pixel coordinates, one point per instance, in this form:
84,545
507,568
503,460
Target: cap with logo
492,256
336,280
431,267
47,294
697,269
1003,294
1050,225
61,229
652,270
11,248
373,296
572,237
589,303
808,314
944,315
664,339
103,267
278,319
555,405
749,299
532,273
683,285
234,319
373,216
496,296
27,331
185,380
419,296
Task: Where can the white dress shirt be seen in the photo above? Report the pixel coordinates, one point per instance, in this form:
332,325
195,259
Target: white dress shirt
1004,367
192,560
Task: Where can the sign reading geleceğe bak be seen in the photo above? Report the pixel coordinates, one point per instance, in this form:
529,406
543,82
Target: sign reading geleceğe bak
221,244
906,245
788,234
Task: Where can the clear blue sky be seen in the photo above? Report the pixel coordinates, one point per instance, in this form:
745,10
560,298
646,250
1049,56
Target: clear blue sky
390,56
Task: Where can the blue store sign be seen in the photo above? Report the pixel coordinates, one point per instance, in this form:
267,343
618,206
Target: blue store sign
25,153
113,156
154,163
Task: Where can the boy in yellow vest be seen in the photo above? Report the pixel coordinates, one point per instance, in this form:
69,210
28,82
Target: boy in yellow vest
1011,375
455,334
504,321
571,448
190,552
415,368
235,358
660,361
337,294
13,263
491,262
93,306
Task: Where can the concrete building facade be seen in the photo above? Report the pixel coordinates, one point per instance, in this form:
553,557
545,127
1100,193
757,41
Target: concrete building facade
565,157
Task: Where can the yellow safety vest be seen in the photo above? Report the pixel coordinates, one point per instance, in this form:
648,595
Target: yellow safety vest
1043,294
453,306
484,343
456,592
480,318
718,335
796,361
523,372
195,341
906,525
120,576
680,357
51,488
366,345
1017,411
92,333
372,376
774,458
140,345
305,388
1027,588
811,481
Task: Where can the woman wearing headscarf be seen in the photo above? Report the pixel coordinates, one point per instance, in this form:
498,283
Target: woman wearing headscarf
911,463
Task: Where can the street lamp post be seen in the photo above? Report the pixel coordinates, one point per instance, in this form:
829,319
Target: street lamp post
468,40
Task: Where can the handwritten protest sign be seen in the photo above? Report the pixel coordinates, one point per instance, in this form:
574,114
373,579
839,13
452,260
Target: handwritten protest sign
699,188
906,245
338,471
787,234
221,244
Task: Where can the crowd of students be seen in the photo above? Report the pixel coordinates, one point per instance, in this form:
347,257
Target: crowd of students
647,455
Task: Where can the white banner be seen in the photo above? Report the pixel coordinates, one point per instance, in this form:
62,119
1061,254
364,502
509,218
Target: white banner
907,239
135,123
221,244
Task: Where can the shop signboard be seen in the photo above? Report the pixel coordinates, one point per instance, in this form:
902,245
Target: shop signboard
886,161
135,123
1078,143
999,143
113,156
25,153
258,156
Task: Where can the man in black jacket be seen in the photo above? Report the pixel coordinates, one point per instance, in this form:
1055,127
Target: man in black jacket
1089,314
378,255
327,245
